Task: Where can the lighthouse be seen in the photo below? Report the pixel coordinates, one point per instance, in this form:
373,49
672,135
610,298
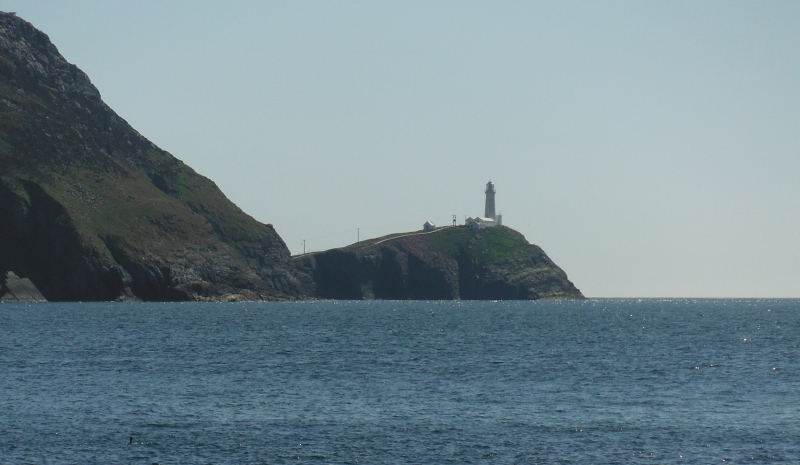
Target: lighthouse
489,219
490,191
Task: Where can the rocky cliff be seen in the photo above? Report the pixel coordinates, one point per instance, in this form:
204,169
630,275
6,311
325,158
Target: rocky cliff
452,263
16,289
91,210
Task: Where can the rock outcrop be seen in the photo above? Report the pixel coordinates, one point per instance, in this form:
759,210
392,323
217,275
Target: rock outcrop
91,210
16,289
452,263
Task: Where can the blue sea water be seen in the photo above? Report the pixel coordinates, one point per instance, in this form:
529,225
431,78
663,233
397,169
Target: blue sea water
609,381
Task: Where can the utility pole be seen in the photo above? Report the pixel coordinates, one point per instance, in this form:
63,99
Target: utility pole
358,234
454,220
304,246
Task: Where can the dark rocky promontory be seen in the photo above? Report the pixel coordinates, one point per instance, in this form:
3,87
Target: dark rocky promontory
91,210
452,263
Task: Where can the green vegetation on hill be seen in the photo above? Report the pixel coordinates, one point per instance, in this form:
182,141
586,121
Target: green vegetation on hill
91,210
488,246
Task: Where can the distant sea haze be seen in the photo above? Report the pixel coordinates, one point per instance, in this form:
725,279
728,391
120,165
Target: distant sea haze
611,381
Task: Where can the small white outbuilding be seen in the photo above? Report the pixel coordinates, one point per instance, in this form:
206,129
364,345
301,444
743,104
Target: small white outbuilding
480,223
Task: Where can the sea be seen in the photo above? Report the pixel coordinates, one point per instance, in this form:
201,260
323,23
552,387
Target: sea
600,381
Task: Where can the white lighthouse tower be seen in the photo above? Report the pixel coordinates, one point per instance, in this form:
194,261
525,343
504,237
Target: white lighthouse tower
490,191
489,219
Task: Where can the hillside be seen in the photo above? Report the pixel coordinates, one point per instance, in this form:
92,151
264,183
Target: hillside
453,263
91,210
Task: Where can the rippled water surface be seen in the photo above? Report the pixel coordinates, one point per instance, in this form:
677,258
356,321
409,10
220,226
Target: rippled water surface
600,381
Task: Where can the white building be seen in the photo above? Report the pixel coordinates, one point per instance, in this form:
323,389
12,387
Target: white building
480,223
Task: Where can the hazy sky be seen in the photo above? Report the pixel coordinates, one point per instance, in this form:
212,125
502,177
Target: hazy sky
651,148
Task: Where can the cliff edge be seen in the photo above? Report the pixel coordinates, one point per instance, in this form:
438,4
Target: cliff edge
91,210
447,264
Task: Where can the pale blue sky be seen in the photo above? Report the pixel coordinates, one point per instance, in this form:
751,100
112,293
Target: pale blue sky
651,148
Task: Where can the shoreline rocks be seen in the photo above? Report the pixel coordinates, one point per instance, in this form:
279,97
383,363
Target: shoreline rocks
16,289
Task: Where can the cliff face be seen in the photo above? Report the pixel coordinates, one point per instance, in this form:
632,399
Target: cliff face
91,210
453,263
